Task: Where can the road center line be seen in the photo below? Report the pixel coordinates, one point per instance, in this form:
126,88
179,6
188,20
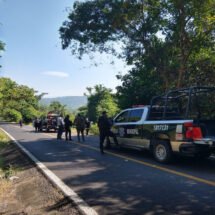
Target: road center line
185,175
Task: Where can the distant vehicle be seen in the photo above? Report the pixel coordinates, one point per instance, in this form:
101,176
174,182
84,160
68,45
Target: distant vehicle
50,122
181,121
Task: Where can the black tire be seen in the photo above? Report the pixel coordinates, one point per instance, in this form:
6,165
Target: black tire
162,151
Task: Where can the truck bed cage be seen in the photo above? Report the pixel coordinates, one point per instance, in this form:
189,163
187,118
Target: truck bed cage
175,95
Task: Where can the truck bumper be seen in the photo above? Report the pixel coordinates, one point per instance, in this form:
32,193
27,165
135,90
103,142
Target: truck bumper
196,149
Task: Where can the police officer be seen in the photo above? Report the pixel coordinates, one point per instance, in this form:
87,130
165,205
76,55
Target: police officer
67,124
60,123
80,126
104,131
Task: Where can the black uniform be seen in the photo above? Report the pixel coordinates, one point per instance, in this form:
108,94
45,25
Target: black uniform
104,131
67,125
87,123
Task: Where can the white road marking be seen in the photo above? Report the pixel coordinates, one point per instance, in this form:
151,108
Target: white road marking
83,207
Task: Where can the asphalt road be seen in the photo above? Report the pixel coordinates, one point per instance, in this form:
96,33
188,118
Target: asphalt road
124,181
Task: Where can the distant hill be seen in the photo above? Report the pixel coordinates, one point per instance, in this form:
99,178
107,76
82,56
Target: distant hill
72,102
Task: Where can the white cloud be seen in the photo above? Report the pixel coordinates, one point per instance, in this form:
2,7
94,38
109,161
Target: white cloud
56,74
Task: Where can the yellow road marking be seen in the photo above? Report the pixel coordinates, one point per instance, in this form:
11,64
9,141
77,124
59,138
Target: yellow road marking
212,183
185,175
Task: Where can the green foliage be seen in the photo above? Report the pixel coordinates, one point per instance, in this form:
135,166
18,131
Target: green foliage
29,113
12,115
139,86
169,43
4,140
43,110
57,107
100,99
1,48
83,110
94,129
17,101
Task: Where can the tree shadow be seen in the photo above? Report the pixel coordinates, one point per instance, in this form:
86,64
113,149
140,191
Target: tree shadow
116,185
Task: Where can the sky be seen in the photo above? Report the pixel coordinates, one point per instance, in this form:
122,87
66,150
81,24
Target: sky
34,57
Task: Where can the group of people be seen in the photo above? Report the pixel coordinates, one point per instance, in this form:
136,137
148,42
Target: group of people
81,123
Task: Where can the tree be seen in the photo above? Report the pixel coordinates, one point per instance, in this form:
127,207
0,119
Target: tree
17,101
1,48
57,107
138,87
100,99
170,39
83,110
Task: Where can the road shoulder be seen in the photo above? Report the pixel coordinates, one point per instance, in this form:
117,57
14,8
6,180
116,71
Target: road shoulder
28,191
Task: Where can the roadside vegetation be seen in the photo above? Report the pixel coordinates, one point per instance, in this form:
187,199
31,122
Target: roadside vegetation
5,171
23,190
21,102
168,44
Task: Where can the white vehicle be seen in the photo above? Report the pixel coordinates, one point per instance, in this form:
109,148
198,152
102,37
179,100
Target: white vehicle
173,123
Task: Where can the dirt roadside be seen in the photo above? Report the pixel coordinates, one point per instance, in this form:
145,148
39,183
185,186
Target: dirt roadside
26,190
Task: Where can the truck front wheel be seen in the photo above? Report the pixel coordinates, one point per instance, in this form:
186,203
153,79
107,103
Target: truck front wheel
162,151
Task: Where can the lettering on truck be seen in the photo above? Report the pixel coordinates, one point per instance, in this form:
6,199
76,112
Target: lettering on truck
161,127
132,131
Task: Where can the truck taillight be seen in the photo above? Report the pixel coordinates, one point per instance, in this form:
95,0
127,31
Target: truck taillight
192,131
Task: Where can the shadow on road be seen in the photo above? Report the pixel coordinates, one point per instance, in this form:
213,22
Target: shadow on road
114,185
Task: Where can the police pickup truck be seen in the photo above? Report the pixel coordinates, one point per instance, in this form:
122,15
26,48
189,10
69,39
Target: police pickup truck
181,121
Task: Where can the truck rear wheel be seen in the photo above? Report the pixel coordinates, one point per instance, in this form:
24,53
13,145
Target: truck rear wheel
162,151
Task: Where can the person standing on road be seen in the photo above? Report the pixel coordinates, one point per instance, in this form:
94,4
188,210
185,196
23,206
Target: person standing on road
36,124
20,123
80,126
87,123
68,124
60,124
105,132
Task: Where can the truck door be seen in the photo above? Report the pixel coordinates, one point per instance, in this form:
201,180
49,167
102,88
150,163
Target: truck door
128,127
119,126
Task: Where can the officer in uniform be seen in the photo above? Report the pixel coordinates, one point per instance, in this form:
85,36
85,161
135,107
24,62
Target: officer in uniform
67,124
60,123
104,131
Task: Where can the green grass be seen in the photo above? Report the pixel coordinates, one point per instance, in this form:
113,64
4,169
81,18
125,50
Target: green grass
4,142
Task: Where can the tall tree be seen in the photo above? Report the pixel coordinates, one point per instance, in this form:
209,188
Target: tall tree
173,39
17,101
100,99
